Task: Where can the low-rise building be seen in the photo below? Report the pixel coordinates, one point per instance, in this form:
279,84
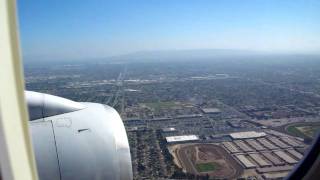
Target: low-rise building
245,161
247,135
211,110
184,138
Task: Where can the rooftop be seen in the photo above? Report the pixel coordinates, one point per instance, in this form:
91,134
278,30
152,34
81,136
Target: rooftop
182,138
211,110
246,135
170,129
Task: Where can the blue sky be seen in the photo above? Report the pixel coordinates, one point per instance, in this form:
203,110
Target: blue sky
80,29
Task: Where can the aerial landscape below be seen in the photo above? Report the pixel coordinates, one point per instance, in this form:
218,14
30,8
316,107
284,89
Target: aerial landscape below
205,89
216,116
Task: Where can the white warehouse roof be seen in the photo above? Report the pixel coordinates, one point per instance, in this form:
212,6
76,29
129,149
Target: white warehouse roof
211,110
182,138
246,135
168,129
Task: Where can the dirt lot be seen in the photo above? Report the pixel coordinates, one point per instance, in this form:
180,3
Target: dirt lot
213,159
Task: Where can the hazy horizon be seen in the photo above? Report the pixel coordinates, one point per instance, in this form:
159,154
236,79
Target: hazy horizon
52,30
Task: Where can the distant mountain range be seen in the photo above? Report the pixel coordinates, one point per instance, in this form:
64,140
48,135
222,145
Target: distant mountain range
180,55
190,54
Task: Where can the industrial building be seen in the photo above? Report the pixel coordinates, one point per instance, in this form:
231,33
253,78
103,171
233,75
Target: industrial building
231,147
257,146
211,110
278,142
170,129
291,142
259,160
279,175
247,135
272,158
267,144
274,169
245,161
284,156
295,154
185,138
243,146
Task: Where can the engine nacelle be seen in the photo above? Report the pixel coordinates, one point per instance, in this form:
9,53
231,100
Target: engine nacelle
75,140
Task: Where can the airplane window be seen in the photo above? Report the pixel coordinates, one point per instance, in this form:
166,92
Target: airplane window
205,90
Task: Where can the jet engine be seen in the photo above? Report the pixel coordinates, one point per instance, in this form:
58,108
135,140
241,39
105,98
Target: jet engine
77,140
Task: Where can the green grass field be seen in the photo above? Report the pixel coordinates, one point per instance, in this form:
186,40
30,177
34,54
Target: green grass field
206,167
294,131
303,130
310,131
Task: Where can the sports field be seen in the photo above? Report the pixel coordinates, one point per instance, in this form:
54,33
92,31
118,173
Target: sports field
208,159
206,167
303,130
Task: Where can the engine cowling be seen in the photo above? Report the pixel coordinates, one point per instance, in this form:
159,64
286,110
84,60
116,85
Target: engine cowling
75,140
